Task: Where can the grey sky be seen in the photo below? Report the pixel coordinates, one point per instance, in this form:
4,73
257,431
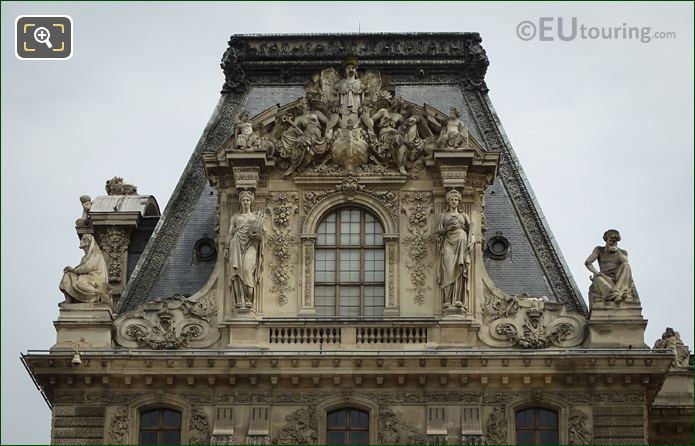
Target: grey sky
603,129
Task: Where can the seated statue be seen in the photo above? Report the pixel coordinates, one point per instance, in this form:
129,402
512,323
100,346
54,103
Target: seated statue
613,281
246,138
672,340
453,134
87,282
86,201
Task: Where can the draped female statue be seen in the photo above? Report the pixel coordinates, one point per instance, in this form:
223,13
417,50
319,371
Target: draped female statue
244,252
454,245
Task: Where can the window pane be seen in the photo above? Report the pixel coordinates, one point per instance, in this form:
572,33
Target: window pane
350,265
359,437
547,419
524,437
172,437
324,298
149,420
325,265
333,437
350,227
326,231
172,419
147,437
524,418
336,419
374,265
549,437
359,419
373,233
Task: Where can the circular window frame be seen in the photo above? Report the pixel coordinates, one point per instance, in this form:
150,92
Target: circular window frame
498,240
202,243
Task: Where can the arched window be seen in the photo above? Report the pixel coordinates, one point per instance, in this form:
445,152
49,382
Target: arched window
536,425
347,426
160,426
349,264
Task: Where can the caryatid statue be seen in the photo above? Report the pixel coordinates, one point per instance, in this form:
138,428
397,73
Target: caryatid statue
244,252
613,280
87,282
454,242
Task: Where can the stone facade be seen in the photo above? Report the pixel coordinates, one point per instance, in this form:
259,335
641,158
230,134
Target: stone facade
245,347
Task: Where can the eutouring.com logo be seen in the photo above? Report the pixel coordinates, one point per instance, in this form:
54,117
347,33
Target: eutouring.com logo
551,29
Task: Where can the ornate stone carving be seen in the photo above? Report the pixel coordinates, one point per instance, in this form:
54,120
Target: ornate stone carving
454,53
168,324
613,281
497,305
534,332
300,427
394,429
348,188
417,211
496,427
308,268
454,244
86,282
244,252
234,74
671,340
285,206
349,125
392,274
117,186
86,202
206,307
114,243
529,322
578,432
118,428
199,428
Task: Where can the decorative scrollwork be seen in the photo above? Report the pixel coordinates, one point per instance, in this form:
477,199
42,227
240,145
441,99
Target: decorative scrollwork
168,324
349,187
529,322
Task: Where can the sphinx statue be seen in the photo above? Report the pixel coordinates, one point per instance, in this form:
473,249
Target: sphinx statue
87,282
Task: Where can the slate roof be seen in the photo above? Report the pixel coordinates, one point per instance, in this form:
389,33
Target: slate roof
440,69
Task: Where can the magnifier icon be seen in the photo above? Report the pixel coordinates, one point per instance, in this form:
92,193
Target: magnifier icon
42,35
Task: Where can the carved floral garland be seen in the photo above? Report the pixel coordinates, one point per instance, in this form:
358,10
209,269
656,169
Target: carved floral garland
286,206
418,241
